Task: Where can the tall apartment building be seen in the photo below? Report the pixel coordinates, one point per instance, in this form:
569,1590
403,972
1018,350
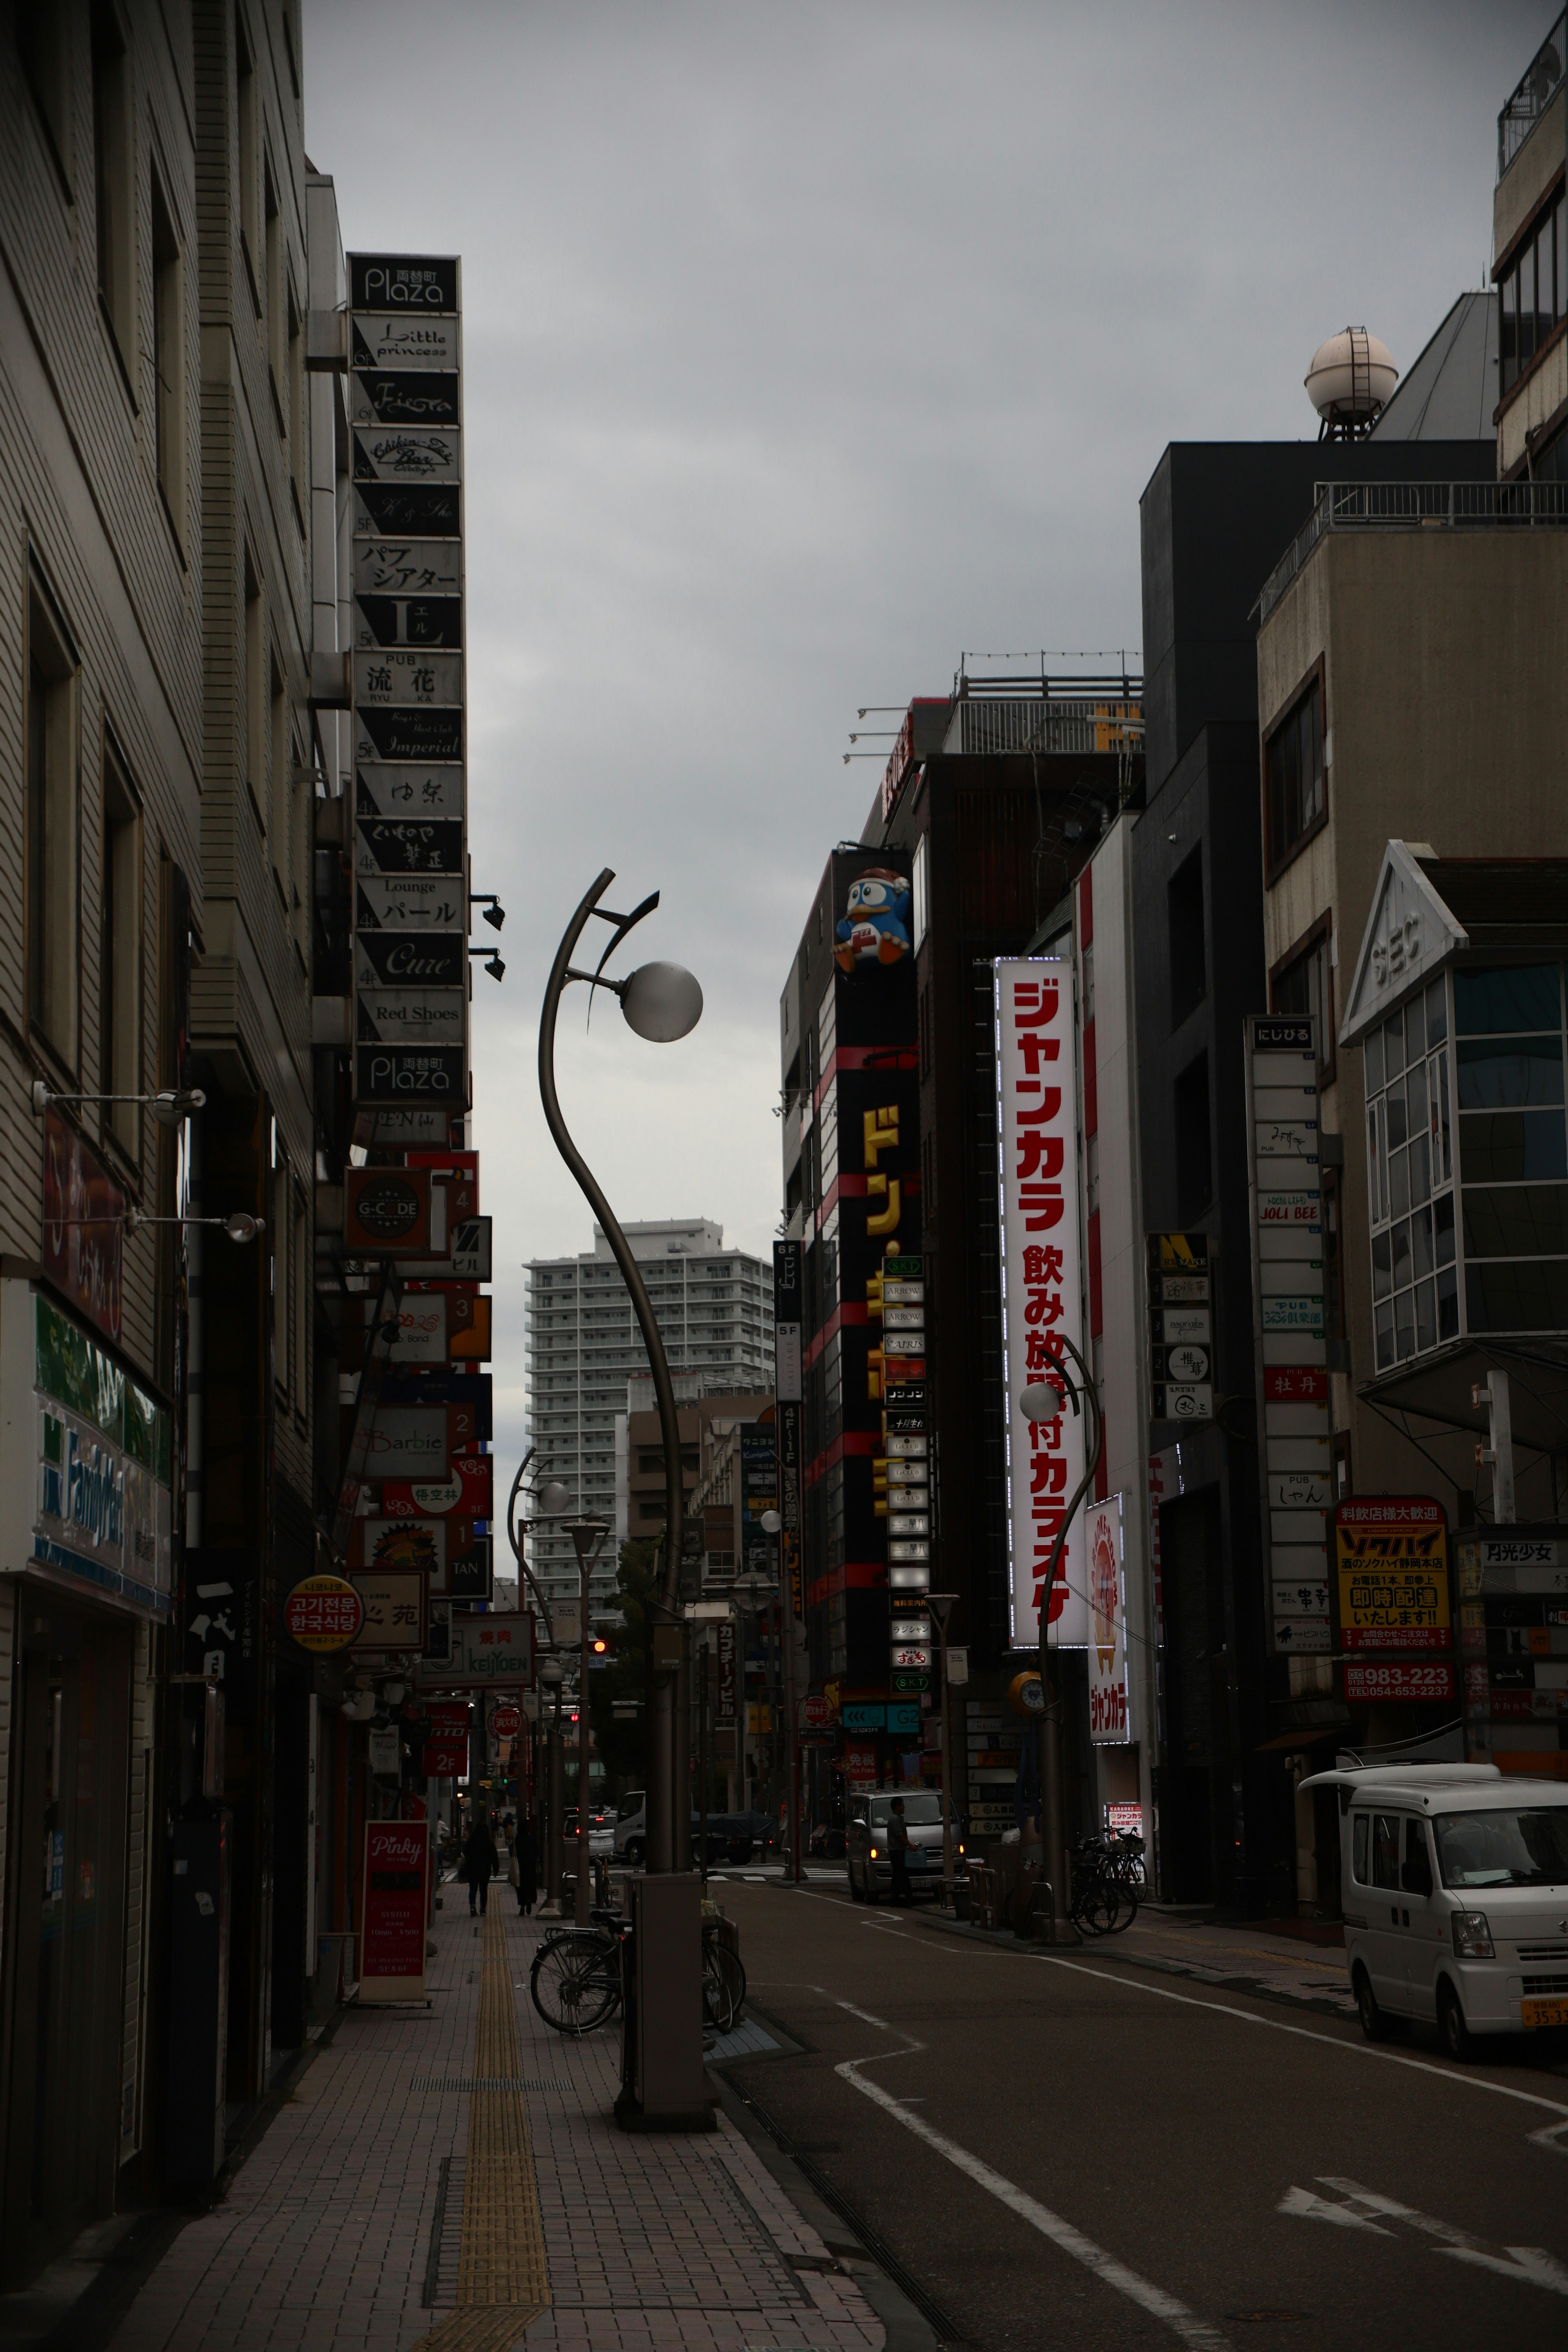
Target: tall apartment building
715,1315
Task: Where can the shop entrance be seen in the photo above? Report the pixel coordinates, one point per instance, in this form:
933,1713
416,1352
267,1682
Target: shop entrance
65,1933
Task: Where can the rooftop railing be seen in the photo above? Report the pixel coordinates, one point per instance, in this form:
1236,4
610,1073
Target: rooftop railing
1542,81
1416,506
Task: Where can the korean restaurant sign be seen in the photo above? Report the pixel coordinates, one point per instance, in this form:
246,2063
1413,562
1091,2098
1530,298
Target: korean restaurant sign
323,1614
84,1226
1039,1209
393,1911
86,1459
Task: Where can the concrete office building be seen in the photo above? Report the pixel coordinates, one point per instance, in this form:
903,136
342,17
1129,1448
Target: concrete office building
715,1315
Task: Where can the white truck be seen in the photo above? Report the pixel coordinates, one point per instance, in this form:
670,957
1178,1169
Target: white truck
1453,1882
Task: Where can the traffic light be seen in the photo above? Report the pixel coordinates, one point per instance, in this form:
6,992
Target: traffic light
599,1647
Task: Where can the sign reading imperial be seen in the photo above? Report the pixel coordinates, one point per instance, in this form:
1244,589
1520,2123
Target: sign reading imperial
409,692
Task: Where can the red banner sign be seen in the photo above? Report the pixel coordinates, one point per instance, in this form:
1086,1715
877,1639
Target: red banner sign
394,1910
446,1755
84,1226
467,1489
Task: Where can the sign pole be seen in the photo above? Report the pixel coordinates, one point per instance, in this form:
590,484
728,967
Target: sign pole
941,1605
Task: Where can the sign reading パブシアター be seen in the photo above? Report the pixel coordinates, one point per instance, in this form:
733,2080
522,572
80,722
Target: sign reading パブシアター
85,1466
404,395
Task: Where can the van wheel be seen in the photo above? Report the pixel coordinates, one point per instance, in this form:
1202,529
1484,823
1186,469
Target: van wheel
1374,2024
634,1851
856,1894
1452,2032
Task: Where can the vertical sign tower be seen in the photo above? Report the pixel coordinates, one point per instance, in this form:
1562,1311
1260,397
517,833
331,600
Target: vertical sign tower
409,849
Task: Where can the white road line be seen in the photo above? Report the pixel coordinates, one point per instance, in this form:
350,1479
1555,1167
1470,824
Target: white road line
1532,2265
865,2016
1062,2234
1547,2137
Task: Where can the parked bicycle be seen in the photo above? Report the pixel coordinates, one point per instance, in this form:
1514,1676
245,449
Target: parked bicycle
574,1982
1107,1880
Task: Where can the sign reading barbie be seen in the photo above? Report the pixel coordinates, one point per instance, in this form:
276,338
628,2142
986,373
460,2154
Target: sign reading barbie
1041,1253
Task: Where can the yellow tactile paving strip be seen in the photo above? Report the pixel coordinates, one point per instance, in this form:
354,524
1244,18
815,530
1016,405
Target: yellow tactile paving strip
503,2283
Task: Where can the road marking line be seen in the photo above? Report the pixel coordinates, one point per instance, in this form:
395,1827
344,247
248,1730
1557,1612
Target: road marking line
1062,2234
1546,2138
1307,2208
865,2016
1533,2265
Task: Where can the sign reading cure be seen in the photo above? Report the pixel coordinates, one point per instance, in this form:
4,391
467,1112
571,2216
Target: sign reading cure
1285,1194
410,843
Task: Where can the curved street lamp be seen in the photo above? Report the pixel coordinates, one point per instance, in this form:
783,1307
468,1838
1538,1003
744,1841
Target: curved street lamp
1042,1401
661,1001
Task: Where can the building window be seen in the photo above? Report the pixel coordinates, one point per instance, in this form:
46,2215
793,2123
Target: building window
1302,985
1184,913
1512,1148
1194,1160
53,896
247,148
43,39
1410,1180
278,772
276,316
168,359
1295,784
300,439
255,688
113,180
1533,290
120,954
300,1253
919,912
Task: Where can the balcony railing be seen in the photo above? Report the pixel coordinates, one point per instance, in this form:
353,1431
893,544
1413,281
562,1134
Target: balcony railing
1542,80
1414,506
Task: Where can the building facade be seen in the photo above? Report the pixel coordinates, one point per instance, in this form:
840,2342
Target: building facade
714,1308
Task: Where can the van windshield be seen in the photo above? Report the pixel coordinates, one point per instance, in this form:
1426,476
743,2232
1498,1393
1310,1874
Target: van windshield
630,1804
1523,1849
920,1812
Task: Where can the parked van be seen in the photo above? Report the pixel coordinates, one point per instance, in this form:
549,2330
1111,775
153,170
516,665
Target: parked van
1453,1882
731,1836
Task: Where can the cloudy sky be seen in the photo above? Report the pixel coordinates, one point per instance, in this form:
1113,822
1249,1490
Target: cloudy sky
808,347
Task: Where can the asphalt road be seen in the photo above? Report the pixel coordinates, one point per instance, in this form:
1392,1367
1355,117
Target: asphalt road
1068,2149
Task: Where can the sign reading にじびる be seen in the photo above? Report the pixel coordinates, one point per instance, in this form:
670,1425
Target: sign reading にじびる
1038,1206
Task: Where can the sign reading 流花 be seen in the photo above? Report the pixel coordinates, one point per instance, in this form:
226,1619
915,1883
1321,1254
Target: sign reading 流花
1039,1209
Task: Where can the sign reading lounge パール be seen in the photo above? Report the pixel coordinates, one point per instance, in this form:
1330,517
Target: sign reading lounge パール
85,1459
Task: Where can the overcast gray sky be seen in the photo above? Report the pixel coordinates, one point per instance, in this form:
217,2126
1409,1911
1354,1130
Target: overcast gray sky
808,346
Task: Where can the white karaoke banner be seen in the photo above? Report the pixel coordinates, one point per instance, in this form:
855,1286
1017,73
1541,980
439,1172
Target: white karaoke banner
1042,1287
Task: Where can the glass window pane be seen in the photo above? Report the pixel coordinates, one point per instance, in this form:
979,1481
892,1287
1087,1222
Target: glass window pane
1437,1013
1404,1325
1421,1241
1512,1146
1442,1238
1527,305
1393,1045
1372,1052
1420,1171
1426,1315
1509,352
1384,1317
1401,1254
1382,1154
1516,1221
1373,1169
1517,1294
1560,297
1382,1259
1415,1095
1398,1182
1544,282
1445,1164
1398,1121
1523,996
1497,1072
1447,1304
1415,1029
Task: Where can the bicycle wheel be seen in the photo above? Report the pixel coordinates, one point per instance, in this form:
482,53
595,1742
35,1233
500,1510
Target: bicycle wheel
574,1982
1095,1906
723,1987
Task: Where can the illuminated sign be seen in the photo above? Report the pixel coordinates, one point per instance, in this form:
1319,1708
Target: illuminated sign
1110,1724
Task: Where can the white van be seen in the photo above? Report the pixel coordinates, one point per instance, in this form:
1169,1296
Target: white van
1454,1881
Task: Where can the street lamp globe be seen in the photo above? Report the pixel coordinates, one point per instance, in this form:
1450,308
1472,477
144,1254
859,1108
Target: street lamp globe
552,1500
662,1001
552,1674
1040,1401
772,1523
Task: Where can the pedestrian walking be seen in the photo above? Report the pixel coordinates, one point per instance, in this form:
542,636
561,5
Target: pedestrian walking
898,1851
481,1863
522,1871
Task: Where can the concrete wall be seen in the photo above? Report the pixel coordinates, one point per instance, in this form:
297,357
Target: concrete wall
1445,674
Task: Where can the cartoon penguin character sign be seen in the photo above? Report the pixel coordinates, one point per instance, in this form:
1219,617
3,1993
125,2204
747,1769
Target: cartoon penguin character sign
874,928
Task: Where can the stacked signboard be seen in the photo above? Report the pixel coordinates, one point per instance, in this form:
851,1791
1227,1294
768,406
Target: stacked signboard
410,822
1513,1632
901,1477
1288,1323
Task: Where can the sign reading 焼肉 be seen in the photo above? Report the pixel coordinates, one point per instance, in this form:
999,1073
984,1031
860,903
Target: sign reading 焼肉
1039,1209
393,1911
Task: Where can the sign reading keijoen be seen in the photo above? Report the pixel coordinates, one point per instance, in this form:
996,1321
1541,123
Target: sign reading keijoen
1038,1212
410,895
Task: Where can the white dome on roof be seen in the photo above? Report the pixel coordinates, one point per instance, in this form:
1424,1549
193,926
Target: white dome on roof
1353,375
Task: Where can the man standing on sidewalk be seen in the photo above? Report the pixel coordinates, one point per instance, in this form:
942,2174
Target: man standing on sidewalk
481,1863
898,1851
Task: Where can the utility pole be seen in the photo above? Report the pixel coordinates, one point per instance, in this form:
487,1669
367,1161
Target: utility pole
941,1605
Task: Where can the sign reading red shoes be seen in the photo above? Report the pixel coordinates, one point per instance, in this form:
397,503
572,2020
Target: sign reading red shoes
395,1911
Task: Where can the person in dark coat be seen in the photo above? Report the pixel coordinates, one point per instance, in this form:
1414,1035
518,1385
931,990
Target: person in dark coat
524,1870
481,1862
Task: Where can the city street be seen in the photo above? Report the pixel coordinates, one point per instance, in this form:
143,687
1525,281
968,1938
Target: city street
1070,2146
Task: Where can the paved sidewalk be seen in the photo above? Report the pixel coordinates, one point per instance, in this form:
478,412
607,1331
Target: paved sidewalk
406,2186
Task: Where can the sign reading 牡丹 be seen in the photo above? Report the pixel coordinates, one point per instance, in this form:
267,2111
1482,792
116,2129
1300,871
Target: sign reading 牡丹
1039,1209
